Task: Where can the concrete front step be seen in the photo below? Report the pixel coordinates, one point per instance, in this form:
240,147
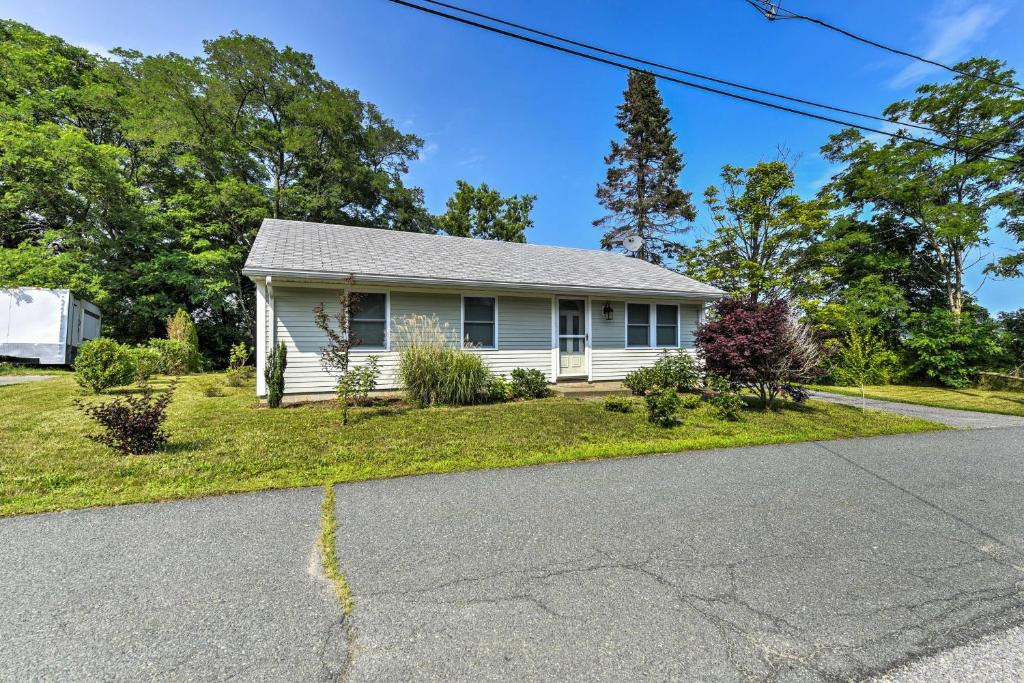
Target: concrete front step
589,389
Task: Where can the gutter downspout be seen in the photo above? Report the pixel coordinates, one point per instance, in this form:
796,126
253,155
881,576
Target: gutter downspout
273,317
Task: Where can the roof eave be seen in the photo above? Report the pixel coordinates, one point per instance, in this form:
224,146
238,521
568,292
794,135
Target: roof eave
322,276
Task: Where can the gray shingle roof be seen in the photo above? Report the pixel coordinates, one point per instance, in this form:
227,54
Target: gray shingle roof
311,250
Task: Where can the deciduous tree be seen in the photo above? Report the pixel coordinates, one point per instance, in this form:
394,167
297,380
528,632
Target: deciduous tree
762,232
759,346
484,213
948,195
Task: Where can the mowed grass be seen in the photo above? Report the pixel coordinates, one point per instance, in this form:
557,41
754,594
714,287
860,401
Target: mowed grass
229,444
7,369
980,400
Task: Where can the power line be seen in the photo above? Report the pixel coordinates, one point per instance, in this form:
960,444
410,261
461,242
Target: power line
671,79
773,11
694,74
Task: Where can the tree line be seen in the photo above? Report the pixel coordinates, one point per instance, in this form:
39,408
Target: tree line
139,181
879,255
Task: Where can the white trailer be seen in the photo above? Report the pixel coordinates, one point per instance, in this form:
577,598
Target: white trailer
45,326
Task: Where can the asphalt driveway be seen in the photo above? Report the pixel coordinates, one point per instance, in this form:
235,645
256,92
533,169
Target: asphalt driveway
212,589
815,561
961,419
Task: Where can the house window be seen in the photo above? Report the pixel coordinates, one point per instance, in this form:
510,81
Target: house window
638,325
369,323
667,332
478,322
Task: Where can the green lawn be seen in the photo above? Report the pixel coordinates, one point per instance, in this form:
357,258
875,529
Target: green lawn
12,369
981,400
229,444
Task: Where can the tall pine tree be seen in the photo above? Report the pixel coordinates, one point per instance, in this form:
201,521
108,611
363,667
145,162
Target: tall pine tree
641,191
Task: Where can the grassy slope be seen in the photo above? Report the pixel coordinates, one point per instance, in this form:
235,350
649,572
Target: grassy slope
980,400
228,444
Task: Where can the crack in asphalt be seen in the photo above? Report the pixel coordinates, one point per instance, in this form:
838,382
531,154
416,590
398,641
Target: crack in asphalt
921,499
895,608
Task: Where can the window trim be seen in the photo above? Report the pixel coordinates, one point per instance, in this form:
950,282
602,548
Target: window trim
650,327
387,320
652,332
463,321
657,325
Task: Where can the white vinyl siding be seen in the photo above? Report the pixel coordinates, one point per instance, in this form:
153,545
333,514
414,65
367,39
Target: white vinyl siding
524,333
612,360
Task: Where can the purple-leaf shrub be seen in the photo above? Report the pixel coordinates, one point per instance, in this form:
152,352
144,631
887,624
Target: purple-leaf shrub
761,347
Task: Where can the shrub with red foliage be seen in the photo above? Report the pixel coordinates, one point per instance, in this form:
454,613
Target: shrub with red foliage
132,425
760,346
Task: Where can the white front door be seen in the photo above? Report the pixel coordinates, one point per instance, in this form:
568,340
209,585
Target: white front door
572,338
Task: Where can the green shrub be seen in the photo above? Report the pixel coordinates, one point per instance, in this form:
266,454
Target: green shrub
728,404
441,375
132,425
146,362
355,385
238,356
618,404
211,390
676,371
181,328
238,373
499,389
662,407
948,349
689,401
277,361
641,381
529,384
176,356
102,364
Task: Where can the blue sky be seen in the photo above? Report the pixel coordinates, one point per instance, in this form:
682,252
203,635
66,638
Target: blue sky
528,120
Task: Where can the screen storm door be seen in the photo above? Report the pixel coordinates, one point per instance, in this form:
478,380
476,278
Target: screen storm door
572,338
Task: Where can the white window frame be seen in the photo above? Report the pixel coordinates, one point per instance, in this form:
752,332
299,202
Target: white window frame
654,337
463,321
650,326
387,320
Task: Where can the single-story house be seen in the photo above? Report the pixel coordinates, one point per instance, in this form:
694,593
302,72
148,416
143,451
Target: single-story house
576,314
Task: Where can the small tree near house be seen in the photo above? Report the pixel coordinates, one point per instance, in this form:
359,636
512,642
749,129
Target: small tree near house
761,347
862,358
354,384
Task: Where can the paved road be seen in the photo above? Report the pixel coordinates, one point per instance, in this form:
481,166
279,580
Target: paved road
962,419
205,590
795,562
22,379
998,657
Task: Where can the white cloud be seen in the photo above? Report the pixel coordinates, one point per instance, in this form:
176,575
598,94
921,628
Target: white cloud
952,31
473,159
96,48
428,150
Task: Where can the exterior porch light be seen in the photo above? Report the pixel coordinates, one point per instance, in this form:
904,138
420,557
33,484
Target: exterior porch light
609,312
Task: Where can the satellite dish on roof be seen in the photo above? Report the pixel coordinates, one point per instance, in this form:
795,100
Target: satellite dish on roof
632,242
